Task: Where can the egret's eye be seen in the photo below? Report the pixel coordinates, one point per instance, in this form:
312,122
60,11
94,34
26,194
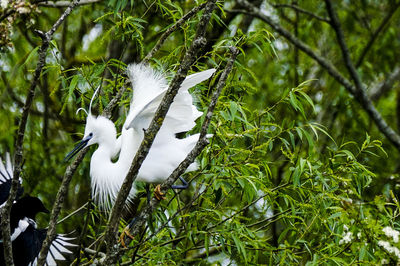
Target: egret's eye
91,134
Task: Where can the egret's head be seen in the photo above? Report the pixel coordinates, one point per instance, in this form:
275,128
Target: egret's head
98,130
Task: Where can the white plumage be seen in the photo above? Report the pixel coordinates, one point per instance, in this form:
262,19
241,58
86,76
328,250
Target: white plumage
167,151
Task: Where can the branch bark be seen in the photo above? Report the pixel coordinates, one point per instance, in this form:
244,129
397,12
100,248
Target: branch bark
189,58
359,94
5,212
59,4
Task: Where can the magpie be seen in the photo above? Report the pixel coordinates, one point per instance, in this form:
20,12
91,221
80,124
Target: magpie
26,238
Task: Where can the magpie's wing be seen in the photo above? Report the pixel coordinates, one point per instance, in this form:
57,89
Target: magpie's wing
58,248
6,175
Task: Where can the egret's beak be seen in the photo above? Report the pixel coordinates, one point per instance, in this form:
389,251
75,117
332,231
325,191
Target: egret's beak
82,144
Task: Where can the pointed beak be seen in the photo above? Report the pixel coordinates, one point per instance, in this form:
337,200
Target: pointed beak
45,210
82,144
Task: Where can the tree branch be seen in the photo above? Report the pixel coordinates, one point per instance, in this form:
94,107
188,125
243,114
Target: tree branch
360,95
189,58
301,10
374,36
5,212
59,4
385,86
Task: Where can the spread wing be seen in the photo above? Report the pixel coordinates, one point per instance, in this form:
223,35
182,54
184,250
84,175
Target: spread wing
6,175
149,89
34,239
27,245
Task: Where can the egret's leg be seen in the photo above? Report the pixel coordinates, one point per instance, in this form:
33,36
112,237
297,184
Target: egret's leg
158,194
126,232
184,186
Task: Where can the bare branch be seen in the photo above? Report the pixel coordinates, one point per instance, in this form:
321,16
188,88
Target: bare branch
345,51
301,10
5,212
385,86
59,4
374,36
360,95
170,30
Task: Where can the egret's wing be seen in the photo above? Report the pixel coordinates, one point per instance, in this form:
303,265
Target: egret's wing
196,78
182,113
6,175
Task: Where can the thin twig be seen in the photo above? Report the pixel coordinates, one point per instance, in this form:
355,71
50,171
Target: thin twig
5,212
170,30
301,10
248,205
73,213
386,85
360,95
374,36
189,58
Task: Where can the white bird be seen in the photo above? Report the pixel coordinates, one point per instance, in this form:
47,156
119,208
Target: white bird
166,152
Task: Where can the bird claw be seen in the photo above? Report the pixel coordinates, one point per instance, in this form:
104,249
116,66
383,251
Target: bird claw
124,233
158,194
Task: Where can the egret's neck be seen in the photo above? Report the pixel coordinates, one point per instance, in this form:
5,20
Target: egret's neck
126,145
108,147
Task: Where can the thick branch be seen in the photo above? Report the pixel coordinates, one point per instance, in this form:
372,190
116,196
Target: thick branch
343,47
5,212
360,95
59,4
189,58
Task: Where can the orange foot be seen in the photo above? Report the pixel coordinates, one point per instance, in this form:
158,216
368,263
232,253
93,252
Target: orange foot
158,194
124,233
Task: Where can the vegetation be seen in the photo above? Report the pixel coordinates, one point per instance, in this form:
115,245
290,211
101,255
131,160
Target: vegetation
303,164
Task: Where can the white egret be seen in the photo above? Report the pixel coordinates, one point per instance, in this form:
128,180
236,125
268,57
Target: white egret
167,150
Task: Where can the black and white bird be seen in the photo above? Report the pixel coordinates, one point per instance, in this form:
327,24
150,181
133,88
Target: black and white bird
26,238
